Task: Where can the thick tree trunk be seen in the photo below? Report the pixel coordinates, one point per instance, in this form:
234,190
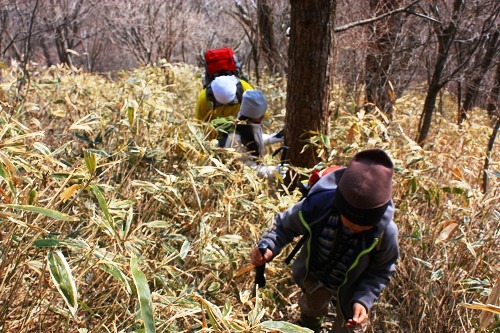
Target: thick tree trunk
310,73
427,113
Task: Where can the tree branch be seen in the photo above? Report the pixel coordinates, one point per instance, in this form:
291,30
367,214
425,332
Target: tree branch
422,16
380,17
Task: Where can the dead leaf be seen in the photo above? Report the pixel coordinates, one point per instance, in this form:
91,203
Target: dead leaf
487,316
447,232
244,269
69,192
457,174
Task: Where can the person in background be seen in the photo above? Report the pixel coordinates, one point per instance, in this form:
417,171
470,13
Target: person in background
222,98
352,242
247,136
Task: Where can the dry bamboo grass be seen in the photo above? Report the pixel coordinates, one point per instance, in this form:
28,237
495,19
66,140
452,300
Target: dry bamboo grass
122,171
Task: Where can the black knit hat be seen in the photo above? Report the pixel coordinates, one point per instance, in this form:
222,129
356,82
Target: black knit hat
365,189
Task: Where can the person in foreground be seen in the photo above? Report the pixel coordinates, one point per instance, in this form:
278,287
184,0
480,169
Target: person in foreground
247,136
352,246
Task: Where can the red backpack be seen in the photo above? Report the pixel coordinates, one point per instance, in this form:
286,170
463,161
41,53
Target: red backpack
305,186
219,62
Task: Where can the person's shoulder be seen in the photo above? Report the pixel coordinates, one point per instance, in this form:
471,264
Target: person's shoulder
317,204
391,230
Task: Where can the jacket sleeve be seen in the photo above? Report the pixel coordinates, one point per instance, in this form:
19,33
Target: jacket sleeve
202,108
263,171
286,227
298,219
270,139
380,269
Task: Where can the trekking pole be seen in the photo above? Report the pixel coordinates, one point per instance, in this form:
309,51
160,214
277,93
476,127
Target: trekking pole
284,166
260,271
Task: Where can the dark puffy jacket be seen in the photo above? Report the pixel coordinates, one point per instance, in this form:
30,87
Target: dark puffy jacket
375,264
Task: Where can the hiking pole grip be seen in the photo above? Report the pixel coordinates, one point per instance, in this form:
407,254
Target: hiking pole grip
260,277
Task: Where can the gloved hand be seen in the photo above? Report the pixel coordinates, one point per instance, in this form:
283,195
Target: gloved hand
277,137
282,169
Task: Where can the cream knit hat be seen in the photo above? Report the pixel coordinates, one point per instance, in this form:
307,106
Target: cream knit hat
224,88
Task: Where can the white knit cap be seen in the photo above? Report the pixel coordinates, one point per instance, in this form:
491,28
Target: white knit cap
224,88
253,104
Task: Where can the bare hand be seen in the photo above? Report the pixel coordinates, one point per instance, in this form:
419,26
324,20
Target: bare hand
258,259
359,316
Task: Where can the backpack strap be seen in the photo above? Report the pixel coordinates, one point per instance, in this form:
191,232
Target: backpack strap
239,91
210,96
296,249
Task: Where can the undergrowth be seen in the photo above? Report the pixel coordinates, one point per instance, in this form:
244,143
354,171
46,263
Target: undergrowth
119,214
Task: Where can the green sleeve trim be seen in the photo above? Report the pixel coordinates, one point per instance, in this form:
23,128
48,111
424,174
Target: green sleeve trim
308,244
355,263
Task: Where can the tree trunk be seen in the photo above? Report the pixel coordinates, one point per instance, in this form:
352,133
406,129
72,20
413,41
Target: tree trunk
492,106
66,30
46,53
488,154
310,56
445,37
378,61
266,33
472,87
432,92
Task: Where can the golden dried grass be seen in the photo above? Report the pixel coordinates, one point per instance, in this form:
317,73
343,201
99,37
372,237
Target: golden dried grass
139,179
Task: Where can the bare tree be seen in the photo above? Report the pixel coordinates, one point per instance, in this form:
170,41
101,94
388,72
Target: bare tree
64,20
245,14
25,76
309,79
450,29
386,52
149,30
15,22
484,60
